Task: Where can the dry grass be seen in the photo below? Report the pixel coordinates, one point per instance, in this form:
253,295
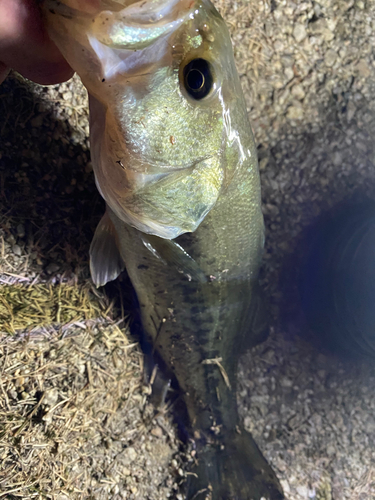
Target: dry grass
365,489
26,307
62,401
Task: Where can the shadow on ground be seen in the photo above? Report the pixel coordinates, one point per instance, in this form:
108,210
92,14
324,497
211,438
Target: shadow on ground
49,205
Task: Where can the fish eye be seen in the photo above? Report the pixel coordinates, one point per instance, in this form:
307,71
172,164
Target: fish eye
198,78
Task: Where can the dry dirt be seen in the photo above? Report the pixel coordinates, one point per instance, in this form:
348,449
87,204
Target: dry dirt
75,421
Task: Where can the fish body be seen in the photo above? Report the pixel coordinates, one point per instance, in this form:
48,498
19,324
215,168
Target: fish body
175,160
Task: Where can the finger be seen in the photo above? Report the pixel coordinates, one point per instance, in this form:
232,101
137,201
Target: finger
25,45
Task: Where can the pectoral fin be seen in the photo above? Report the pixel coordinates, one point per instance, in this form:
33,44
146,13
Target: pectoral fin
105,260
172,254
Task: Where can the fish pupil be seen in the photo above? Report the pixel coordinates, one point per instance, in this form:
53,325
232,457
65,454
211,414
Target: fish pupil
195,79
198,79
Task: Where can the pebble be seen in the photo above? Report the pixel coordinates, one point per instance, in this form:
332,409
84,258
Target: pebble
295,113
350,111
363,68
289,73
278,46
37,122
157,432
67,96
298,92
330,57
16,249
331,450
337,158
50,397
128,455
299,32
21,230
11,239
52,268
285,486
303,491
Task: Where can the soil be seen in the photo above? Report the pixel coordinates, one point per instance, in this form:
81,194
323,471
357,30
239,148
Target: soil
75,416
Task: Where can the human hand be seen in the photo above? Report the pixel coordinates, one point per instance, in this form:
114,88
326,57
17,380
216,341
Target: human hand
26,47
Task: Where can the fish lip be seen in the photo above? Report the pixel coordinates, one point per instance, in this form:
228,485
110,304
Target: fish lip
169,169
144,182
61,9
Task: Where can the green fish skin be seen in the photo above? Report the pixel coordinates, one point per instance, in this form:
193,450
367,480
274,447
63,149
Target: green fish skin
198,328
178,171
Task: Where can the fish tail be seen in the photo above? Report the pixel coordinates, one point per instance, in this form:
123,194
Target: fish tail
233,469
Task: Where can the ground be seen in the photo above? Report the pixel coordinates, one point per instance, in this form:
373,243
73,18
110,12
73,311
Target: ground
75,421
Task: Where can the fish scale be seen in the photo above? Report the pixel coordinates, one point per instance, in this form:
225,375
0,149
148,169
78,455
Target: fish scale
175,160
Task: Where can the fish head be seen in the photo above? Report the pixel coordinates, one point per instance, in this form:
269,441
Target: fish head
163,88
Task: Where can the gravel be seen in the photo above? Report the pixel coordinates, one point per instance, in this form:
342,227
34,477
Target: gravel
308,73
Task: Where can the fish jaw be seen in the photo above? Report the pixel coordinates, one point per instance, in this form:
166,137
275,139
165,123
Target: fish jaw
146,131
83,28
155,199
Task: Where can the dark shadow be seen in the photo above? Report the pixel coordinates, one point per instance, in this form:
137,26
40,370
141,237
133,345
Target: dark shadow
49,204
327,283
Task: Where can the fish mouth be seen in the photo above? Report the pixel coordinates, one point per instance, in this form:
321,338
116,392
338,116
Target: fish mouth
83,8
152,171
165,204
141,11
67,10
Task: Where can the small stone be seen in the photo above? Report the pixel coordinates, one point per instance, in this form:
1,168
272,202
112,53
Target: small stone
67,96
298,92
331,450
33,255
350,111
21,230
363,68
52,268
342,52
289,73
157,432
299,32
16,249
303,491
12,393
286,382
277,84
295,113
50,397
287,61
37,121
328,35
11,239
128,455
330,57
278,46
285,486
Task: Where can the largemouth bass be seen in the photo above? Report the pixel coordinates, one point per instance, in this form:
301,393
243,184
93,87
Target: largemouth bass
175,160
